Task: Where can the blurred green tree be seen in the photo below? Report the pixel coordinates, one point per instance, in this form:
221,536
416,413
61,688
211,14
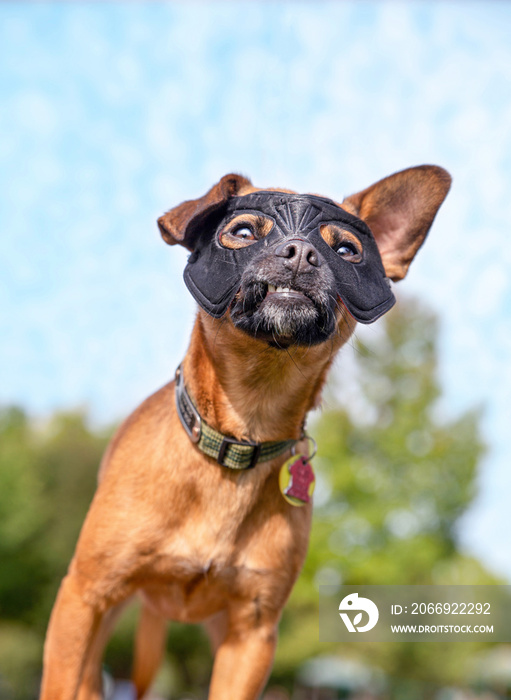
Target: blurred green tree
47,478
24,514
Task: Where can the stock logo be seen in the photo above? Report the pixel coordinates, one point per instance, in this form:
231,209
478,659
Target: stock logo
358,605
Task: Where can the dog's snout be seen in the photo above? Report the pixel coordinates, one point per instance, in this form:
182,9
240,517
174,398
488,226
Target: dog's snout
300,254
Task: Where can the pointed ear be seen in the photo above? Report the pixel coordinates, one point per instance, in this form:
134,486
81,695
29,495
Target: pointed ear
399,210
182,224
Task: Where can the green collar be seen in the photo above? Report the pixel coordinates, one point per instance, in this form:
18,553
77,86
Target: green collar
227,451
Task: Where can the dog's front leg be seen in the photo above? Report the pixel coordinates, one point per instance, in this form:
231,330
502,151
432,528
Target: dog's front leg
243,660
73,626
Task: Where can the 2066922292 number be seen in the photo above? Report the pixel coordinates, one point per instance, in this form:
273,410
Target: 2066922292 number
450,608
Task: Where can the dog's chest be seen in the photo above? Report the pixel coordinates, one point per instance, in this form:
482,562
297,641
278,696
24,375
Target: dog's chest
226,554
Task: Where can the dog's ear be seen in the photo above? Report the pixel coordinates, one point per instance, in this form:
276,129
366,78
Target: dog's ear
399,210
182,224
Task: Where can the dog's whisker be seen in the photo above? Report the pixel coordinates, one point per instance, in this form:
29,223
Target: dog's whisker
294,362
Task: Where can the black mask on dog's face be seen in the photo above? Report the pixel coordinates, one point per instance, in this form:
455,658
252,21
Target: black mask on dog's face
214,272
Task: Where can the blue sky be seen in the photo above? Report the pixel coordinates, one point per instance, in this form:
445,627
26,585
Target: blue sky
111,113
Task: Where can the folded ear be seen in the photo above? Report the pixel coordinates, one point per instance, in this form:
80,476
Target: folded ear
399,210
182,224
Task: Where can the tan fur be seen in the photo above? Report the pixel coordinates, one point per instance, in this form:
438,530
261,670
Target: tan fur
149,648
197,541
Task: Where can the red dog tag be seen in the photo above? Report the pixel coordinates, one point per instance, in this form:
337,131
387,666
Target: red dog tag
296,480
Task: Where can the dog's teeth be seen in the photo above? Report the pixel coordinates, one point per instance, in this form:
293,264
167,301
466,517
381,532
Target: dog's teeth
273,288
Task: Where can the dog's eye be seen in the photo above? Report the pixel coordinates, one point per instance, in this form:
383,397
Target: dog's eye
345,243
237,237
244,230
347,250
244,233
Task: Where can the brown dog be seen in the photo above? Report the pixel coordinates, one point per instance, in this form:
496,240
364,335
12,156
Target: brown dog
217,543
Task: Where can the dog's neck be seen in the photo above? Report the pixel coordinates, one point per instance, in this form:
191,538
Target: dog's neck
249,390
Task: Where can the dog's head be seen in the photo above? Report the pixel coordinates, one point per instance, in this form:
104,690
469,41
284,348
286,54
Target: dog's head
285,266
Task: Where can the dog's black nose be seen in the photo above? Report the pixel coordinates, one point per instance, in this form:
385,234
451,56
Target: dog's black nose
300,253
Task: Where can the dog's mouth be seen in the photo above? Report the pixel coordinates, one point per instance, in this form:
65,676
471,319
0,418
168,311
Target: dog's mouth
283,314
278,293
259,294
